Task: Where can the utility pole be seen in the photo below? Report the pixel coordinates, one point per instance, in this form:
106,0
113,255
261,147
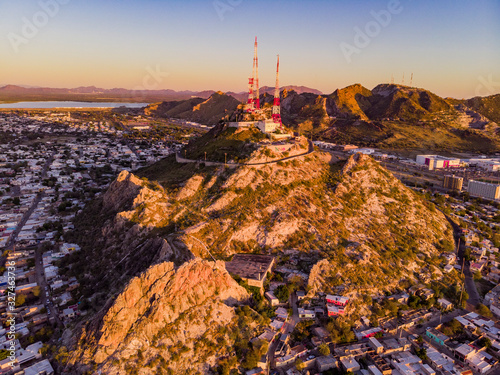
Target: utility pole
460,302
205,156
225,158
256,79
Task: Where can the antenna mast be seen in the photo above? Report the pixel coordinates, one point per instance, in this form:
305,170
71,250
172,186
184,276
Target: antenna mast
256,78
276,115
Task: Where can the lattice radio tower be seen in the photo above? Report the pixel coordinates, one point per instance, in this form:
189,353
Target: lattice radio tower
276,115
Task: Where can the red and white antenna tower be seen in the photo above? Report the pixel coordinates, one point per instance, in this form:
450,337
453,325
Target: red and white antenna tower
256,78
411,80
250,106
276,115
253,102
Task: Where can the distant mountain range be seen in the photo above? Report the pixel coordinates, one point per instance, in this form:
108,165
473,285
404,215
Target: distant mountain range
13,93
389,116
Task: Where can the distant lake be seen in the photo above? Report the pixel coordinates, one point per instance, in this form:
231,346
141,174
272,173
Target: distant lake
69,104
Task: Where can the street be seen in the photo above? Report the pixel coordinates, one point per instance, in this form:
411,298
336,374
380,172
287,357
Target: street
42,283
40,278
470,285
28,213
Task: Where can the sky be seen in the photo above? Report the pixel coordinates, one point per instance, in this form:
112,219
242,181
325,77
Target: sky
452,47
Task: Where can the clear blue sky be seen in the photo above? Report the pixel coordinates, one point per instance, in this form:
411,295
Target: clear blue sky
451,46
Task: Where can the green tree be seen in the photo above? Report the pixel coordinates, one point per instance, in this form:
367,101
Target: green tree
16,201
36,291
484,342
483,310
324,349
20,299
299,364
282,293
421,353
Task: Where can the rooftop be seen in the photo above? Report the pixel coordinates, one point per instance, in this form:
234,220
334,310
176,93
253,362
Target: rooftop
250,266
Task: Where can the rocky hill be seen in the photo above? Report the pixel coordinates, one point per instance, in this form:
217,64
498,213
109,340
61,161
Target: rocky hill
210,111
488,106
167,320
396,101
390,117
157,232
350,102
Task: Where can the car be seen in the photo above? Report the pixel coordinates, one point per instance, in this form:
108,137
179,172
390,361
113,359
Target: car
48,312
310,357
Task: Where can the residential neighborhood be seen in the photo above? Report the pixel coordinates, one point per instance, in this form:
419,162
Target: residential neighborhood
43,185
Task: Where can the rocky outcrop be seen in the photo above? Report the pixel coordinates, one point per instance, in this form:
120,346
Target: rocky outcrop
156,311
122,192
190,188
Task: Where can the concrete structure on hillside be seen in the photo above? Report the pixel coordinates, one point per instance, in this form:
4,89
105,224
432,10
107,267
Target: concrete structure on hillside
265,126
437,162
484,189
453,182
252,268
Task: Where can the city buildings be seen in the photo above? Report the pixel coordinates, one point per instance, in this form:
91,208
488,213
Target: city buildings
453,182
484,189
437,162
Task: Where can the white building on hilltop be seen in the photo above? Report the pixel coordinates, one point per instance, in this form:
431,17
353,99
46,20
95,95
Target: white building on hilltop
265,126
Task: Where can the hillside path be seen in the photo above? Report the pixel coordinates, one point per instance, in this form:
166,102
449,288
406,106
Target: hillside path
180,159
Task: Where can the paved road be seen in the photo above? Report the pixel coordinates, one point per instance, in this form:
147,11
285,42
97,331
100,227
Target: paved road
292,322
470,285
28,213
294,319
40,279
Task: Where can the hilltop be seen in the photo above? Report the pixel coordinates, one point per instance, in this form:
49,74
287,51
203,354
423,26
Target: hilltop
211,111
358,227
488,106
397,117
